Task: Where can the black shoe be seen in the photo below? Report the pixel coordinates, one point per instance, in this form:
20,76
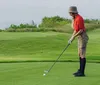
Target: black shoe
79,74
76,72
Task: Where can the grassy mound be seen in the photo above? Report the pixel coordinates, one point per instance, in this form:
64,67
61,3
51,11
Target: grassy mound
44,46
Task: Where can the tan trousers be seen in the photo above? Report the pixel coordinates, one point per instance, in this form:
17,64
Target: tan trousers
82,44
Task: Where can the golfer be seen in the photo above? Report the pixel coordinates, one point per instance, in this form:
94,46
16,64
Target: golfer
80,32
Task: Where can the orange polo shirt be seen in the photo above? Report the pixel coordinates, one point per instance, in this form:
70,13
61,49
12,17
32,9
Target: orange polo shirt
78,23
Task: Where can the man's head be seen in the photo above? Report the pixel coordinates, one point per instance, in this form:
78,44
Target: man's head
73,11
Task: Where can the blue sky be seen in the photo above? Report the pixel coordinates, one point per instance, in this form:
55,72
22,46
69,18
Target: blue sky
23,11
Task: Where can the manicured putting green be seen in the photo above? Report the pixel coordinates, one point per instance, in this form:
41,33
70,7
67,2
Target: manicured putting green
61,74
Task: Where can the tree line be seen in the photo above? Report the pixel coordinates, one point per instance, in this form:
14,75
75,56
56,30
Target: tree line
54,23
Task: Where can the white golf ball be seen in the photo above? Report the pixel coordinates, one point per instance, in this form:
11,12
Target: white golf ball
44,74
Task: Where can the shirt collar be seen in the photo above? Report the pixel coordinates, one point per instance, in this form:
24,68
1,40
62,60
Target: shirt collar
76,16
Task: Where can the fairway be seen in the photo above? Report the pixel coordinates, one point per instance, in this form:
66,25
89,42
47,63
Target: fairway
44,46
24,56
61,74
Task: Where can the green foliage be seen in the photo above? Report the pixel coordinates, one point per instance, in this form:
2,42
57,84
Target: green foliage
20,30
56,21
95,21
1,30
21,26
60,24
92,26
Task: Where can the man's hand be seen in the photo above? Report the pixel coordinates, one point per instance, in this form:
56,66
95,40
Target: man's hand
70,40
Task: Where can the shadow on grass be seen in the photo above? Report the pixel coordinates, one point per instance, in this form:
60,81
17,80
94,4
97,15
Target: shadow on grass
27,61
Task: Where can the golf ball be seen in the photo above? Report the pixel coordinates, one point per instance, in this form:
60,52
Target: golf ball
44,74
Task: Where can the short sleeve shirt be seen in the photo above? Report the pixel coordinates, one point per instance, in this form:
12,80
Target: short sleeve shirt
78,23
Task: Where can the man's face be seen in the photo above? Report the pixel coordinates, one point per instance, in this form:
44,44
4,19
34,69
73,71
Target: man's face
71,14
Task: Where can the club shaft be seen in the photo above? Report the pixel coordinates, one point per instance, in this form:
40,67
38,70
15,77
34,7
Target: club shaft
58,57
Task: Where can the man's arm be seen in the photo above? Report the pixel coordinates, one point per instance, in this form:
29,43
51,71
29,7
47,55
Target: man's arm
74,35
77,33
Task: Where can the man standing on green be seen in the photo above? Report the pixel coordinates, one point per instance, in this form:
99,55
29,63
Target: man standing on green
80,32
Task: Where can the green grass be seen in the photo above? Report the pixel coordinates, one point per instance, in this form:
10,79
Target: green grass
61,74
46,46
40,46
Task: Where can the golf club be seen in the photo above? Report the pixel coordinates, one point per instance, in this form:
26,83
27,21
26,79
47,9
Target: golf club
47,71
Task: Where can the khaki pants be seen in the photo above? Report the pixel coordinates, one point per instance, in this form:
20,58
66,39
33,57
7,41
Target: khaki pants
82,44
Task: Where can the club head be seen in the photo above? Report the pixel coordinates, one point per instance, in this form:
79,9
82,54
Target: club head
46,71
